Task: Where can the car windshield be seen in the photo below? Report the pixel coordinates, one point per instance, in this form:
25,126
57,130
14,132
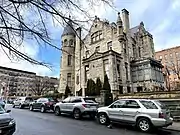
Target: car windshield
89,100
2,110
160,104
148,104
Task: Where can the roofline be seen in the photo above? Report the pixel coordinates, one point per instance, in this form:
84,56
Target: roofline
168,49
17,70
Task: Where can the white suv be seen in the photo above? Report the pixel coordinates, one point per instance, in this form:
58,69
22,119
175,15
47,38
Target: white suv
22,102
142,113
77,106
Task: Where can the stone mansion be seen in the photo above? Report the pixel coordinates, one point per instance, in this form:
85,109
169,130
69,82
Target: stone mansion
125,54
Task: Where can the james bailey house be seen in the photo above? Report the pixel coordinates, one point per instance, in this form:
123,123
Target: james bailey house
125,54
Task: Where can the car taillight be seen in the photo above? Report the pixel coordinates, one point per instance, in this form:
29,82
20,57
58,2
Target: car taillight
86,106
161,115
48,103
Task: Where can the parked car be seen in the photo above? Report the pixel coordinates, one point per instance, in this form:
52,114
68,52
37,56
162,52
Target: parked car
7,123
43,104
2,103
77,106
145,114
22,102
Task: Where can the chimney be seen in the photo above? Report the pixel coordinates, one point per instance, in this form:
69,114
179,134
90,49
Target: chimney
125,19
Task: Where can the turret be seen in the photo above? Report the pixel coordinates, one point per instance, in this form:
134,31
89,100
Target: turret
68,38
120,28
119,25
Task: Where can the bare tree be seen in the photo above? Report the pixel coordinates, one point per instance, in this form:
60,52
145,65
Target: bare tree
28,19
175,68
40,86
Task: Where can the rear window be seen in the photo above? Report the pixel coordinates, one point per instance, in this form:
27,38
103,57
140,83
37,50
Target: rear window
160,104
89,100
148,104
29,99
51,100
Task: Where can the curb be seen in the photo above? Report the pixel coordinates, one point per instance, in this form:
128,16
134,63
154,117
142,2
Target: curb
170,129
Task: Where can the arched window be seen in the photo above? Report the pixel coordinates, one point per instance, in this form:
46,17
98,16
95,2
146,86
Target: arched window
71,42
65,42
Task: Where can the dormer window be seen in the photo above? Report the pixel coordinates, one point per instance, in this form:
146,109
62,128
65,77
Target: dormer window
96,36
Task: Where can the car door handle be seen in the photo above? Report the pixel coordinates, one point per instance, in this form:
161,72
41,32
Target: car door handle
137,112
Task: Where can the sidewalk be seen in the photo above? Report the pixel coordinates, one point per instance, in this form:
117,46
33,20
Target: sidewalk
174,127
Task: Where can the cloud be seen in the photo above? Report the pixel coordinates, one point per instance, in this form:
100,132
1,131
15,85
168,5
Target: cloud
31,50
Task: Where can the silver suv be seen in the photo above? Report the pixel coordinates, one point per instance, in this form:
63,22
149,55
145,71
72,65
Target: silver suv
77,106
143,113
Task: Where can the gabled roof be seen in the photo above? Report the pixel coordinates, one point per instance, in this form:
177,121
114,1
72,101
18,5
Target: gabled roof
134,30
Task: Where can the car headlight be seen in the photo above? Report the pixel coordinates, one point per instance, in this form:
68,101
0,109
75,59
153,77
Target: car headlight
12,122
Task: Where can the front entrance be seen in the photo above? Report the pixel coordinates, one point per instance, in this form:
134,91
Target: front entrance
120,89
139,89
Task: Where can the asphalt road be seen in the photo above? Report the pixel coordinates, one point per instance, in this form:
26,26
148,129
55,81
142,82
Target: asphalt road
36,123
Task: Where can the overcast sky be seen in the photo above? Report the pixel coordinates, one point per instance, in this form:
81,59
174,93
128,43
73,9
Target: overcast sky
161,18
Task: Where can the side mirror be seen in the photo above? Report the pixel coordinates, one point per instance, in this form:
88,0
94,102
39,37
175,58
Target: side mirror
8,111
63,102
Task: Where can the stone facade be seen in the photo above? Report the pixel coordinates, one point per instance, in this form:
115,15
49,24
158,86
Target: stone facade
114,49
15,82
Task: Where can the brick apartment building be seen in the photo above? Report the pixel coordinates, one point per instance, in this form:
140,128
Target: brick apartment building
170,58
14,82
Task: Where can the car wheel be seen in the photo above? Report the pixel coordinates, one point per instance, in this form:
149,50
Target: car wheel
43,109
57,111
103,118
77,114
144,124
20,106
31,108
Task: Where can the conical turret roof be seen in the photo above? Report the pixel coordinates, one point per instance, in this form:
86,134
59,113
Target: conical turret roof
69,29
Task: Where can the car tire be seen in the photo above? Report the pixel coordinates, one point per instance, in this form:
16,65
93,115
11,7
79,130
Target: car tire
77,114
57,111
43,110
103,118
144,124
20,106
31,108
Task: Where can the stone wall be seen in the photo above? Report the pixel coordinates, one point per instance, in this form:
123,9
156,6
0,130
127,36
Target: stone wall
174,106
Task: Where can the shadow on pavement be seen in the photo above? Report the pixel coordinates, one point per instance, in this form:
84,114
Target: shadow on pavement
131,128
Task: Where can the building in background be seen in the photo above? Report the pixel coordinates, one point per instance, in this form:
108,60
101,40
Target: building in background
170,58
124,53
15,82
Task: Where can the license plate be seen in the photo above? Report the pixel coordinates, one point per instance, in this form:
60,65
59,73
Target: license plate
93,107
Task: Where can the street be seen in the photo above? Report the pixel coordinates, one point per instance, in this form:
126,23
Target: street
36,123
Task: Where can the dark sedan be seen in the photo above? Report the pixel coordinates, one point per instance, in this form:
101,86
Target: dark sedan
42,104
7,123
